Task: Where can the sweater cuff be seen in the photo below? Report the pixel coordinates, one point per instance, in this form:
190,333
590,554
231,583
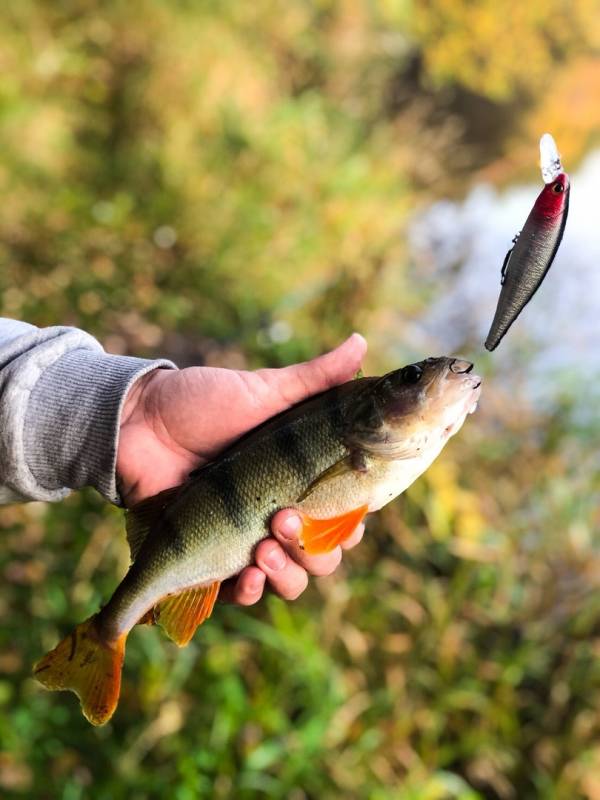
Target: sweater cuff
73,418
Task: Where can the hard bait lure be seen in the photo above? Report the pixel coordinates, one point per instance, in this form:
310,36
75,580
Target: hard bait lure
534,249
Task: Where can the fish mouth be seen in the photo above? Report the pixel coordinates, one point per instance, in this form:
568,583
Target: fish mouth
461,367
465,394
472,399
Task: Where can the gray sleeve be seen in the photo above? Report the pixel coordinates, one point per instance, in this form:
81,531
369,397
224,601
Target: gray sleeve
61,398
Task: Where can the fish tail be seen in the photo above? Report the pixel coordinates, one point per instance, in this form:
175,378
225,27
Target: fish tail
88,665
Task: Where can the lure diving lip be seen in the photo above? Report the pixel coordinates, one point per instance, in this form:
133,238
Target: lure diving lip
549,158
527,262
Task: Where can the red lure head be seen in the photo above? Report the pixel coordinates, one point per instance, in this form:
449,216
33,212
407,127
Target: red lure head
554,197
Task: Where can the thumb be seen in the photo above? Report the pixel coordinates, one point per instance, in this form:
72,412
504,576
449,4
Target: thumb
337,366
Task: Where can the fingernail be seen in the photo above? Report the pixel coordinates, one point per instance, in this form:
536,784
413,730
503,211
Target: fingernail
290,527
358,337
275,559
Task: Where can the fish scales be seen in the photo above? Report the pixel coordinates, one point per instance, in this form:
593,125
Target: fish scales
333,457
236,496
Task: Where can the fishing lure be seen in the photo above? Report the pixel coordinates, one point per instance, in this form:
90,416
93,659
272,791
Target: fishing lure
535,247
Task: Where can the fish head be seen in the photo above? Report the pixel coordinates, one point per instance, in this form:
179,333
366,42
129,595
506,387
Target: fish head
554,197
415,408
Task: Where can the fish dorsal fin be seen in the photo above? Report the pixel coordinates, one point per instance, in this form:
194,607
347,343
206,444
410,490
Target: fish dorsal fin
181,614
323,535
141,517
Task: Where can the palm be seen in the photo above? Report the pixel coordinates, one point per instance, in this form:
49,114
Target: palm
180,420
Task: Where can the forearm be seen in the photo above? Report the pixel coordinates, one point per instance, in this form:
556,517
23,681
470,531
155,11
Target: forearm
61,398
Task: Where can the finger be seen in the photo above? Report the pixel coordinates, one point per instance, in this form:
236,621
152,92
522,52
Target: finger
246,589
286,578
286,526
355,538
302,380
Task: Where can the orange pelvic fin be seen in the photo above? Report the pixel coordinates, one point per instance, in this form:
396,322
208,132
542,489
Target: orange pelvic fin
89,666
323,535
181,614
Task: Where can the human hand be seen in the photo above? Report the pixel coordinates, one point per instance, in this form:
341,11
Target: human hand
176,421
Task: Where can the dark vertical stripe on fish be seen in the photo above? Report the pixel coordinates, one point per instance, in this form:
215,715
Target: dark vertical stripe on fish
292,448
223,482
335,415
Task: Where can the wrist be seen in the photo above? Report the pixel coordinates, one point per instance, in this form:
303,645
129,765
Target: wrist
137,433
136,398
72,420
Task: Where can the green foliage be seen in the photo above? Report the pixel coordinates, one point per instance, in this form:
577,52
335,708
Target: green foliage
482,48
228,183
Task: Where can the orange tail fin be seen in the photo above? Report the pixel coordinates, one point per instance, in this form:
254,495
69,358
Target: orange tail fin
87,665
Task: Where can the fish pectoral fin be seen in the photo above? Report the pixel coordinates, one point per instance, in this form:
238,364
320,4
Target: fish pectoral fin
354,462
140,518
394,450
180,614
323,535
87,665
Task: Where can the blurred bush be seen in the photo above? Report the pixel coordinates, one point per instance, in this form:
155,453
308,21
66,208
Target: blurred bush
230,183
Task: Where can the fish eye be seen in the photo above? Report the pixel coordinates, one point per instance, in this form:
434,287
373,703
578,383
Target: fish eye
412,373
558,188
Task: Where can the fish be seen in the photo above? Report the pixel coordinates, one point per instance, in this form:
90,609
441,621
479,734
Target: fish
334,457
535,247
